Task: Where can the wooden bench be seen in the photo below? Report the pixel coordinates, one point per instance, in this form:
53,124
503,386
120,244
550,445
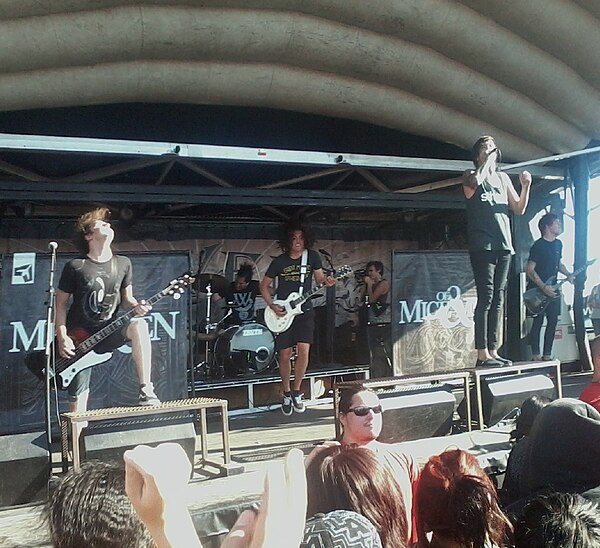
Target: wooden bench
70,422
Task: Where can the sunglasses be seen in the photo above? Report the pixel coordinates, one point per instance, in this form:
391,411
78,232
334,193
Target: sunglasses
363,410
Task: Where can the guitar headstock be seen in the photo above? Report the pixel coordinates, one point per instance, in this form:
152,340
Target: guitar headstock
177,287
343,272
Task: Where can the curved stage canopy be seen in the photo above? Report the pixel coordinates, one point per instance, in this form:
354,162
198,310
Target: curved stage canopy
526,72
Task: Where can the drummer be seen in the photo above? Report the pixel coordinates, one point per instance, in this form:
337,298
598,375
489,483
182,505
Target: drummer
240,296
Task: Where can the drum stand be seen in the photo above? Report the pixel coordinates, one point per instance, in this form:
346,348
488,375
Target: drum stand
208,335
211,368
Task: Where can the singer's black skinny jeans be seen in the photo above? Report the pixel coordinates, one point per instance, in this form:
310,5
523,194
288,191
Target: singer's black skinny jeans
490,269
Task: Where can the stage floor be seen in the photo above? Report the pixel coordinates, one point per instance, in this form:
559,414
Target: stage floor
257,440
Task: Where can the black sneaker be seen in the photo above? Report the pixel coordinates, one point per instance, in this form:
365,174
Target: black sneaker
298,401
286,405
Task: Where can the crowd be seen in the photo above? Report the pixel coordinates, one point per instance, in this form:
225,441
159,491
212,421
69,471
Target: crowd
358,491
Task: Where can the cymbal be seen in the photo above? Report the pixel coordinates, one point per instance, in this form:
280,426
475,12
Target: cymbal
215,281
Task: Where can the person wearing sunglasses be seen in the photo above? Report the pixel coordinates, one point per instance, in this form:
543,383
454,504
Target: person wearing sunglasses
360,415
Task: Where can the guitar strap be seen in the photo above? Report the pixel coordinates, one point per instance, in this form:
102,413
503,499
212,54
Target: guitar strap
303,270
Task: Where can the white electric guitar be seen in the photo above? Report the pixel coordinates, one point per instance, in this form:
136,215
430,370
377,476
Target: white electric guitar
293,304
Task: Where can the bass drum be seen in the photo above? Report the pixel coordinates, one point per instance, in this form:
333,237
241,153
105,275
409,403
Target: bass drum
244,349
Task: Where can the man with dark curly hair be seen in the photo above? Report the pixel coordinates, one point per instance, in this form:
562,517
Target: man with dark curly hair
294,270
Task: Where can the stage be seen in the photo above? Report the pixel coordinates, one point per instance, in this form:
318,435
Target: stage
257,440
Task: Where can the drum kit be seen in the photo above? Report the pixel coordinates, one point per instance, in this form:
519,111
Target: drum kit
229,351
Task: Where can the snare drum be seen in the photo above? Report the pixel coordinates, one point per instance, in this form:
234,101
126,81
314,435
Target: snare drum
243,349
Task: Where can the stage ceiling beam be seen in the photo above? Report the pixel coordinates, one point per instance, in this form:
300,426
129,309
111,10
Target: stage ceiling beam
178,194
79,145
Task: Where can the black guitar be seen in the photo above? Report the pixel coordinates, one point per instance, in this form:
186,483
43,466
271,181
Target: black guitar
536,300
65,369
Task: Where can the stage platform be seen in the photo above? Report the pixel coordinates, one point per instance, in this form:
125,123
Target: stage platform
257,441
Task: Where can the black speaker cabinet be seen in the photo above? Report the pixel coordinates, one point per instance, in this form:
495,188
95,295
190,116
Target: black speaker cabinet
24,468
500,394
108,440
413,413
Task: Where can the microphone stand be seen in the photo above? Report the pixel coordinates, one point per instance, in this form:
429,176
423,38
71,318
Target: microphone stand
49,353
330,302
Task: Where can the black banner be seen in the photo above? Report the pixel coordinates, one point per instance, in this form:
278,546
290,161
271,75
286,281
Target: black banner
24,287
434,299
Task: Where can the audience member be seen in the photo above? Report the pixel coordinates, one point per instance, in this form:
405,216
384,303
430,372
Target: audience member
591,393
353,478
157,492
558,520
457,505
360,416
340,529
511,490
564,449
90,509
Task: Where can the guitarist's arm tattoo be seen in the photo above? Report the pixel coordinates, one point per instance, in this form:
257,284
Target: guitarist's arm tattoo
534,277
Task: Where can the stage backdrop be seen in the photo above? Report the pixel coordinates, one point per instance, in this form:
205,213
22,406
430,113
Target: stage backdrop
24,286
432,318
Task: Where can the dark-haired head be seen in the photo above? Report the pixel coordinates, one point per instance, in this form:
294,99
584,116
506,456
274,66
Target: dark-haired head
347,394
353,478
457,502
85,224
245,272
288,229
377,264
546,221
527,414
90,508
558,520
479,145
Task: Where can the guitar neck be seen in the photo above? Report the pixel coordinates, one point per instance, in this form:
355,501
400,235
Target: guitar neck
114,326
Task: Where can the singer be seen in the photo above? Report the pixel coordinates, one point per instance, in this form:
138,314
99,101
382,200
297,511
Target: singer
489,196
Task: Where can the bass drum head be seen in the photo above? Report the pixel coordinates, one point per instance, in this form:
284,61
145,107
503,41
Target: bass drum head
245,349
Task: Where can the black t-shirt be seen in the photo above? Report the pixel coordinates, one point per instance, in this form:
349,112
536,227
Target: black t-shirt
287,272
96,289
488,217
243,302
546,256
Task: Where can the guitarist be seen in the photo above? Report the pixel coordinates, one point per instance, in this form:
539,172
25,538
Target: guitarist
95,285
544,263
287,270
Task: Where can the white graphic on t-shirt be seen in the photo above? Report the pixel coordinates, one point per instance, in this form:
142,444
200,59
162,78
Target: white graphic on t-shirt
98,309
244,305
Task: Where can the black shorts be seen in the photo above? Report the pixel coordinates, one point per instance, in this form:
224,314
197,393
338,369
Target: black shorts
302,330
81,381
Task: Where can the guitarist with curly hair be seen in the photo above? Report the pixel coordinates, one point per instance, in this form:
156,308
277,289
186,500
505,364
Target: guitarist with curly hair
294,270
544,263
90,291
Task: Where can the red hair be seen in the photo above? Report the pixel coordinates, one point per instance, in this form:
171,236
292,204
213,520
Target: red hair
456,500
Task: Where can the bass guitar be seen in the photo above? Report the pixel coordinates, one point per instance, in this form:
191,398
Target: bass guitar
293,304
536,300
65,369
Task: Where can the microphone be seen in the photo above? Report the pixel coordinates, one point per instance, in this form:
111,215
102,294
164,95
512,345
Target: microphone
52,246
327,254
